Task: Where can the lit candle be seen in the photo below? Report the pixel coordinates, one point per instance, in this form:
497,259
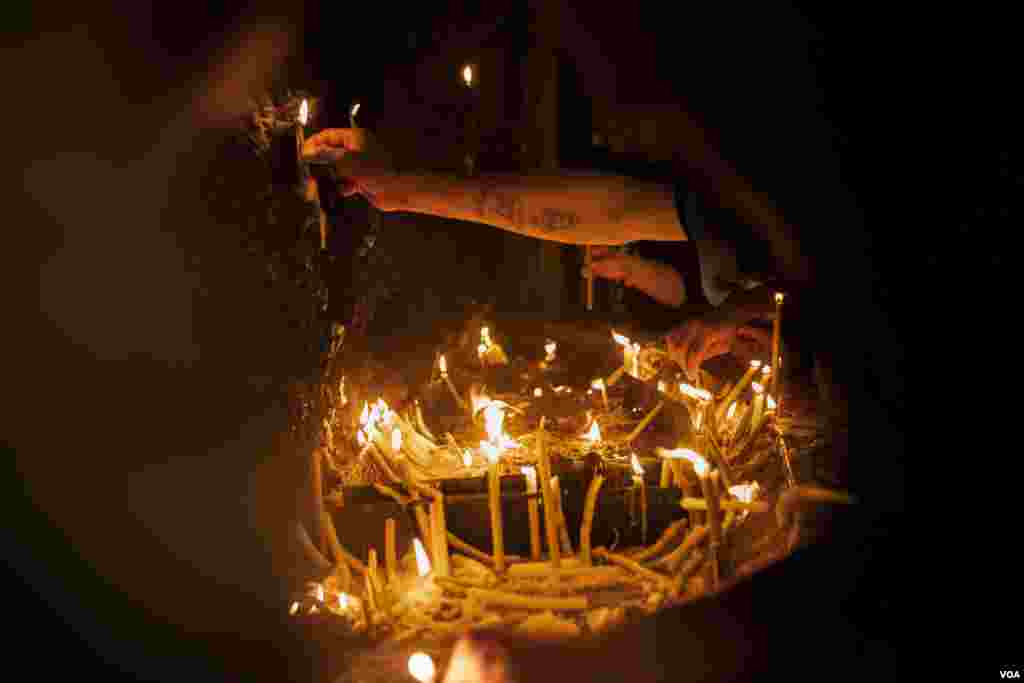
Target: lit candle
352,115
599,384
589,506
550,348
493,455
533,508
734,393
757,412
559,514
776,359
550,520
442,365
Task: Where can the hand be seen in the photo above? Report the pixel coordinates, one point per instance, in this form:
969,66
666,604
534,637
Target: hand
658,281
363,166
715,334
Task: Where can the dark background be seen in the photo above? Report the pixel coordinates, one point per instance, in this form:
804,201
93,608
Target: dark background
133,409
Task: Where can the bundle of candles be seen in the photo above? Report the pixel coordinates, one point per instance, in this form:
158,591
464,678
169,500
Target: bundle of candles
733,466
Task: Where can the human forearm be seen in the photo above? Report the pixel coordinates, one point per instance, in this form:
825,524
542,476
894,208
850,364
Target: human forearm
568,208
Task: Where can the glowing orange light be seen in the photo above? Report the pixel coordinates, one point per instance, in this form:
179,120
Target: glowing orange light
662,386
467,75
341,391
294,609
745,493
320,592
342,600
538,392
467,458
638,469
779,298
766,371
597,384
620,339
771,403
758,389
756,364
422,561
549,350
594,433
421,666
304,112
442,365
396,439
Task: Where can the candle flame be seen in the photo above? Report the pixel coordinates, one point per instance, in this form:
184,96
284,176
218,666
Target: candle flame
342,600
481,350
662,386
597,384
594,433
364,417
755,364
421,666
361,438
354,110
771,403
396,439
549,350
620,339
467,458
766,370
320,592
779,298
304,112
485,336
422,561
530,472
745,493
341,391
293,609
700,465
638,469
467,75
563,388
442,365
494,420
538,392
694,392
758,389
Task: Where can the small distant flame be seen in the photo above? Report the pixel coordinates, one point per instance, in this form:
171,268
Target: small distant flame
364,417
320,592
361,438
421,666
597,384
771,403
698,420
694,392
594,433
355,110
538,392
755,364
638,469
442,365
731,412
758,389
341,391
485,337
745,493
530,472
293,610
662,386
396,439
304,112
467,458
422,561
549,349
766,370
624,341
481,350
342,600
467,75
779,298
563,388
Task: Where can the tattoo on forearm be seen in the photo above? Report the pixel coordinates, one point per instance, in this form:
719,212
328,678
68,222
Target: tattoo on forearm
490,202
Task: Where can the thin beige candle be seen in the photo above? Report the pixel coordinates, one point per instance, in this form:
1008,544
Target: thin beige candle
494,502
588,262
707,483
503,599
641,488
563,530
533,510
372,571
776,359
442,365
550,517
589,505
317,495
666,474
757,412
390,549
439,537
734,393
